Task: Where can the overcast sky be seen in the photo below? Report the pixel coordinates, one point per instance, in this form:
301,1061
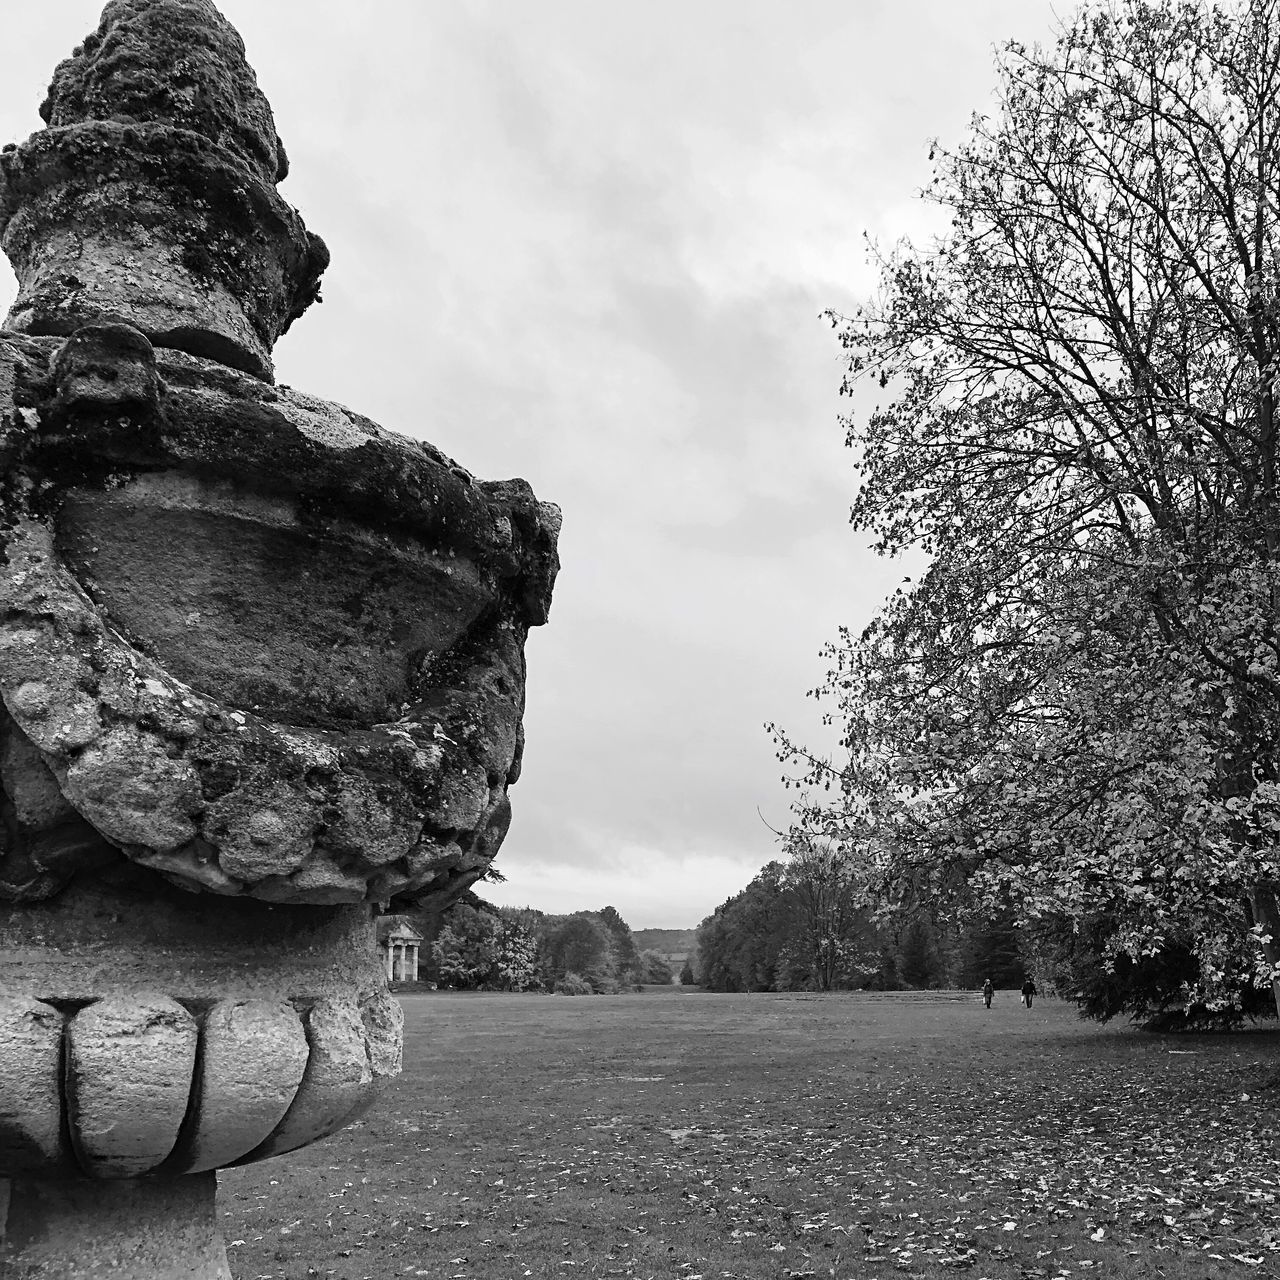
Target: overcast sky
588,243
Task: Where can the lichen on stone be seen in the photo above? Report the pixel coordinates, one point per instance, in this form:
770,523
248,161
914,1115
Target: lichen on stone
249,640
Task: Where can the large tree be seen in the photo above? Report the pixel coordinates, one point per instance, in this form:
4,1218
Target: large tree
803,924
741,944
833,939
1077,707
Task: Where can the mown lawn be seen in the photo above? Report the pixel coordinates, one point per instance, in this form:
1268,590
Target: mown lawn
684,1135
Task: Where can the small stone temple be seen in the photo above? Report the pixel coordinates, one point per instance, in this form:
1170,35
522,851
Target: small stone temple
398,942
261,668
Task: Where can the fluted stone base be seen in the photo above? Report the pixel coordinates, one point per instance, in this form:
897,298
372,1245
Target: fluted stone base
134,1229
148,1032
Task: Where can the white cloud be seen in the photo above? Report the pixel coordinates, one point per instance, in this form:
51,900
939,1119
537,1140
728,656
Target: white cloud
588,244
657,890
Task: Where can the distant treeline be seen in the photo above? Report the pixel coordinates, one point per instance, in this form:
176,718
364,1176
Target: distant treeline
809,925
672,943
817,922
477,946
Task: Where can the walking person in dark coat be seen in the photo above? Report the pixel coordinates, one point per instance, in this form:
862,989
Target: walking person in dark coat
1028,991
987,992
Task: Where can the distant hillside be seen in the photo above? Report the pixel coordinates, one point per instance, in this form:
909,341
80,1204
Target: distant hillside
668,943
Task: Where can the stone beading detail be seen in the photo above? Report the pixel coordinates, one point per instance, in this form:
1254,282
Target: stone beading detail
142,1083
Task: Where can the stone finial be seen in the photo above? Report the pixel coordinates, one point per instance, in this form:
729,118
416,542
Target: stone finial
170,62
151,196
261,669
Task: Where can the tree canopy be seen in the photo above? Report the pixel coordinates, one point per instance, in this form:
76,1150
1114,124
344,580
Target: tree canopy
476,945
808,923
1076,708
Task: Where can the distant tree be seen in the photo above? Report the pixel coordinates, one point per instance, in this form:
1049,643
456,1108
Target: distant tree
466,950
515,965
990,947
885,976
714,970
917,955
806,923
596,945
687,978
573,984
832,937
667,942
741,943
478,945
581,944
628,969
757,927
475,944
655,969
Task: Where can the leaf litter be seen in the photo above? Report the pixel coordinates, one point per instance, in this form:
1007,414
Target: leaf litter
775,1146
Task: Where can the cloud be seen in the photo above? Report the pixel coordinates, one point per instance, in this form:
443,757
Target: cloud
590,244
651,887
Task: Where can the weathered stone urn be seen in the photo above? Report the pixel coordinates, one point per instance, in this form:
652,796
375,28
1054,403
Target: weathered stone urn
261,665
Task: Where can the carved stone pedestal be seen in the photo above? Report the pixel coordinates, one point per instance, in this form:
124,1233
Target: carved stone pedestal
149,1036
261,669
140,1229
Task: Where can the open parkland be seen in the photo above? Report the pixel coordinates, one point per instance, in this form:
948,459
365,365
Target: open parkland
680,1134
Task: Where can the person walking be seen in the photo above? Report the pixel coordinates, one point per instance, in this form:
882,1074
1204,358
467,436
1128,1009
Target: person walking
1028,991
987,992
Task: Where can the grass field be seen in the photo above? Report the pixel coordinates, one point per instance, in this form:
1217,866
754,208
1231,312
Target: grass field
684,1135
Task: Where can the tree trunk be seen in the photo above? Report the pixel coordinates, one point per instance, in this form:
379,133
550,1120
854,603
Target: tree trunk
1266,912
